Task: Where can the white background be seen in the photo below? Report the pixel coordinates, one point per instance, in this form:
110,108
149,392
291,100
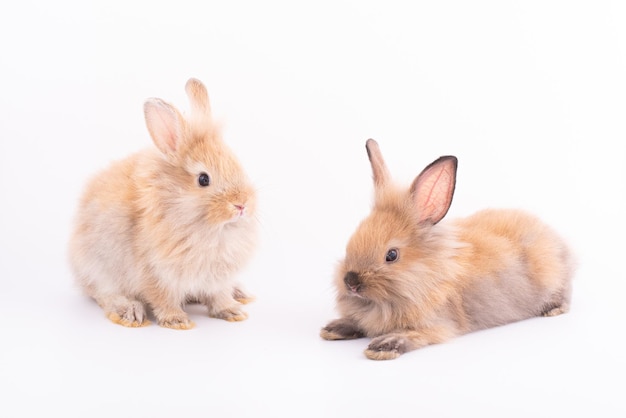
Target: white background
530,95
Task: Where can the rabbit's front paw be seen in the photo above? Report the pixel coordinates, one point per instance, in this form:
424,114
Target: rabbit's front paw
386,347
176,321
241,296
231,315
129,314
340,329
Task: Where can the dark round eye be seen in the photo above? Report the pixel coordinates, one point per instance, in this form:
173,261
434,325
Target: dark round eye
392,255
204,179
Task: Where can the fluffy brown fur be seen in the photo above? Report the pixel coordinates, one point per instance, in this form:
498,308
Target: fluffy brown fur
449,278
147,231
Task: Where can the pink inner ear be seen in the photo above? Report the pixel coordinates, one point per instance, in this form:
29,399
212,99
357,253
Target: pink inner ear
433,189
168,132
163,124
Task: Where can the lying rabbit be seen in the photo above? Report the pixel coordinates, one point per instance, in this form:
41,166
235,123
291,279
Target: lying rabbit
408,280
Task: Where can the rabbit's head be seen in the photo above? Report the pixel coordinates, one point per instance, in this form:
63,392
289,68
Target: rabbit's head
393,256
198,175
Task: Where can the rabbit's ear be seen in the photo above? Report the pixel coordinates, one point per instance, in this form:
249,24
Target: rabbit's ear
198,96
379,169
433,189
165,125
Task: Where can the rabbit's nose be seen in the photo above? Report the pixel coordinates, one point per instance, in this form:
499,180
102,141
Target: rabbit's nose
352,280
240,208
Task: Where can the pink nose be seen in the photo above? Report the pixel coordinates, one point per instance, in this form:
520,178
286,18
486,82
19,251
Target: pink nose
240,208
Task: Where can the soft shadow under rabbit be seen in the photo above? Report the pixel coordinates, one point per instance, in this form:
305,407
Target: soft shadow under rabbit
168,225
408,280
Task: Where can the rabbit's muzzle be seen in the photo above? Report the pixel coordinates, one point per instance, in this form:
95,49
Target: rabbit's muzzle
353,282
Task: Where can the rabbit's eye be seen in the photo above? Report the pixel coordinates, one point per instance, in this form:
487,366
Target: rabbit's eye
204,179
392,255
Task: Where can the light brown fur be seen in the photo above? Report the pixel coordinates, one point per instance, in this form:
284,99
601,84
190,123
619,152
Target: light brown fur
451,278
147,233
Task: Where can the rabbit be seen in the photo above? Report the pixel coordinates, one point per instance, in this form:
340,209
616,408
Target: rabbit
408,281
168,225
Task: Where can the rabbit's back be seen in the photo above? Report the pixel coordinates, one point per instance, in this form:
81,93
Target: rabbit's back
516,267
102,242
